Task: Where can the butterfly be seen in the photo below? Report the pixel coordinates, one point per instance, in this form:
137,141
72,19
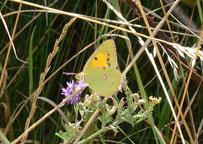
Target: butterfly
100,71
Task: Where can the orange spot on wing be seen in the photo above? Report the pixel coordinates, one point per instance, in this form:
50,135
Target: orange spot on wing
100,60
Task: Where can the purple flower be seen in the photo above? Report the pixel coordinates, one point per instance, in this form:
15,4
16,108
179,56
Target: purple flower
71,88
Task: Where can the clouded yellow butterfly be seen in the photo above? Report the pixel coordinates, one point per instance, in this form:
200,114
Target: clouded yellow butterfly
100,70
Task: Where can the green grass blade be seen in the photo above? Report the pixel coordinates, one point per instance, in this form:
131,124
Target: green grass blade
4,138
30,63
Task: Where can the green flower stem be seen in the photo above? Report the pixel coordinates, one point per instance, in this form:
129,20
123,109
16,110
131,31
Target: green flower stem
95,135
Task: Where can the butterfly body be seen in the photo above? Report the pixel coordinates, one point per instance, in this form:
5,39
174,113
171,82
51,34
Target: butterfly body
100,70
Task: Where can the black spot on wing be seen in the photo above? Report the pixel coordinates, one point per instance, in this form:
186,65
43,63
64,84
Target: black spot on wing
95,58
108,59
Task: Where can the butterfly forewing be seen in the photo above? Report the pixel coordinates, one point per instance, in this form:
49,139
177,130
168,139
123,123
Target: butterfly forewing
104,56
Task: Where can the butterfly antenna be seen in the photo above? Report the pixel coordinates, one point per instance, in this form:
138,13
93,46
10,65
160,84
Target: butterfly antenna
66,73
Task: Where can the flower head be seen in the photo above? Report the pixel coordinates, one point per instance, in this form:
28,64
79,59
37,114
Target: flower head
71,88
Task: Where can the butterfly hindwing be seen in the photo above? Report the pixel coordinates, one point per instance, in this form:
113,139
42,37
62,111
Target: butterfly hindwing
104,81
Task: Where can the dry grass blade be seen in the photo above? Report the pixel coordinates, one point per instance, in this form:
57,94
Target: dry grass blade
162,65
15,114
43,75
84,17
14,49
44,117
9,48
150,38
86,126
62,114
186,87
29,23
199,131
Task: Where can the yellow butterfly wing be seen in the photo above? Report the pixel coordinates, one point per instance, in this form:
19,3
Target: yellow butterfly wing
104,81
100,70
104,56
